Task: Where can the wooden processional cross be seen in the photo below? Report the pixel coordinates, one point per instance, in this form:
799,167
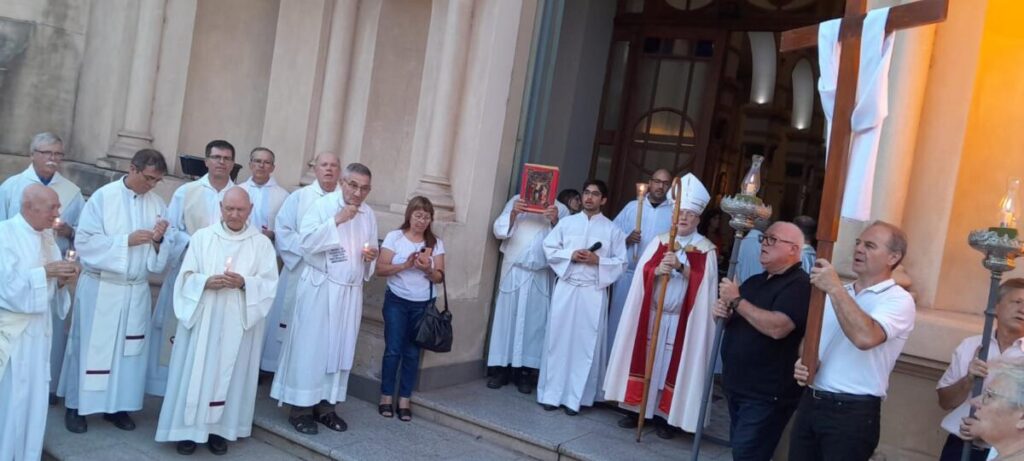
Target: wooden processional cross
905,16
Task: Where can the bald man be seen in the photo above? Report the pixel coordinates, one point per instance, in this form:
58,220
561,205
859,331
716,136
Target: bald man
288,241
221,296
34,288
765,320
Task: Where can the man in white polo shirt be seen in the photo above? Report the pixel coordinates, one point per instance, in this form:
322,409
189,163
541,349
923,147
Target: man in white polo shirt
865,326
954,387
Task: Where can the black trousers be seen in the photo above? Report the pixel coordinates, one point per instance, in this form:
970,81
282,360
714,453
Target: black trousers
756,425
954,446
835,427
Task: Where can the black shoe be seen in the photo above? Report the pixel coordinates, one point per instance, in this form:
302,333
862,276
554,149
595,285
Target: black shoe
305,424
121,420
186,447
547,407
217,444
571,412
331,420
498,379
628,421
665,431
524,383
75,422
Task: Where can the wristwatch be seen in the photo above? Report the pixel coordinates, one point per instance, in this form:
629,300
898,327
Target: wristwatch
735,302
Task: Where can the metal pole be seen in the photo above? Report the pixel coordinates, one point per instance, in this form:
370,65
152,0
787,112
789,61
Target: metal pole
709,382
986,335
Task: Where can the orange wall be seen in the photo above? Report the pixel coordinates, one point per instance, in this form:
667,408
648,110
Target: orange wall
993,150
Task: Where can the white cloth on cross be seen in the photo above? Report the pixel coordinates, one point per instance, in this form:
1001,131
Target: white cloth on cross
871,106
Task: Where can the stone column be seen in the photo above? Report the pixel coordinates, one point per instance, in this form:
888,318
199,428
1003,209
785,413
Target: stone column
444,113
135,133
336,78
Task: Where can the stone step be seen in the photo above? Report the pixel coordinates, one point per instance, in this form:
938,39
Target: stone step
371,437
515,421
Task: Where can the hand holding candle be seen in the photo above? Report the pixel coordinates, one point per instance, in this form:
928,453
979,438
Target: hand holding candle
71,256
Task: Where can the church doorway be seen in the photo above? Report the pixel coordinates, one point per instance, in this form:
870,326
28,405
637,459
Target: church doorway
698,86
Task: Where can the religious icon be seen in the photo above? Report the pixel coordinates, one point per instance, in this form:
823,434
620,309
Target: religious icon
539,186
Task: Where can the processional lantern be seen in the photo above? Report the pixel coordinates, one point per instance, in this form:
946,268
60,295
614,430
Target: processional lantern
1001,247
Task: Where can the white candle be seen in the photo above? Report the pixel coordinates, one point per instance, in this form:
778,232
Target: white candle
56,222
72,256
227,264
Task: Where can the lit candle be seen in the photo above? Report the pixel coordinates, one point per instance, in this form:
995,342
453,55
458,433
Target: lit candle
641,189
56,223
72,256
227,264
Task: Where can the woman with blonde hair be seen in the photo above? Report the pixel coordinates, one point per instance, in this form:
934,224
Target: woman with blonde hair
412,259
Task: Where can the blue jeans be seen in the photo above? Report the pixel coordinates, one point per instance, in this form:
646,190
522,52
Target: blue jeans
400,319
756,424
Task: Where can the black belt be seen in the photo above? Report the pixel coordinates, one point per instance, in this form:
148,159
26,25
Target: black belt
841,397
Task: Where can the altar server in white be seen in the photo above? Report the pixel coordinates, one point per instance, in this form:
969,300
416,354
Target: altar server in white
34,288
47,155
225,288
266,195
118,243
681,354
655,219
588,253
194,205
289,248
339,242
524,293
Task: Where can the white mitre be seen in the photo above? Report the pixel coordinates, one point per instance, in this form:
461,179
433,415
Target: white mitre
695,196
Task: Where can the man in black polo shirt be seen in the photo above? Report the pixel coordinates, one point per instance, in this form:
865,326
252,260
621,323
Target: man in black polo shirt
765,321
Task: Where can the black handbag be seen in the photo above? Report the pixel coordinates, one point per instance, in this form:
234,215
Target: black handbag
434,330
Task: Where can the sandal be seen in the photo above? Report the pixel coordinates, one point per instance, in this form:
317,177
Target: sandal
332,421
305,424
386,410
405,414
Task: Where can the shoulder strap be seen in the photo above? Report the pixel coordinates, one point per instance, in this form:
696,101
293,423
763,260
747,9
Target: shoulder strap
444,288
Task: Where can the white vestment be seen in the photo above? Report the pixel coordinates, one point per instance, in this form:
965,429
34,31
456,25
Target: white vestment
677,399
573,360
71,203
316,357
289,248
194,205
266,202
27,301
105,362
524,291
871,106
211,386
654,222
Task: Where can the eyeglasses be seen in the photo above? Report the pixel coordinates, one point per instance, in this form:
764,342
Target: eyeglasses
56,155
988,395
421,217
771,240
356,187
221,158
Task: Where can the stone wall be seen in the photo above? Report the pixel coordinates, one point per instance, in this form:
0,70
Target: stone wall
41,49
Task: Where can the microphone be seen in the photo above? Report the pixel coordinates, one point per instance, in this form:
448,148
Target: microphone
594,247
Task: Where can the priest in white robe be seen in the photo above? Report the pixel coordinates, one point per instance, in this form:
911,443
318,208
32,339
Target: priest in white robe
266,195
686,332
194,205
118,243
524,293
588,253
339,241
288,242
221,297
34,288
655,219
47,155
